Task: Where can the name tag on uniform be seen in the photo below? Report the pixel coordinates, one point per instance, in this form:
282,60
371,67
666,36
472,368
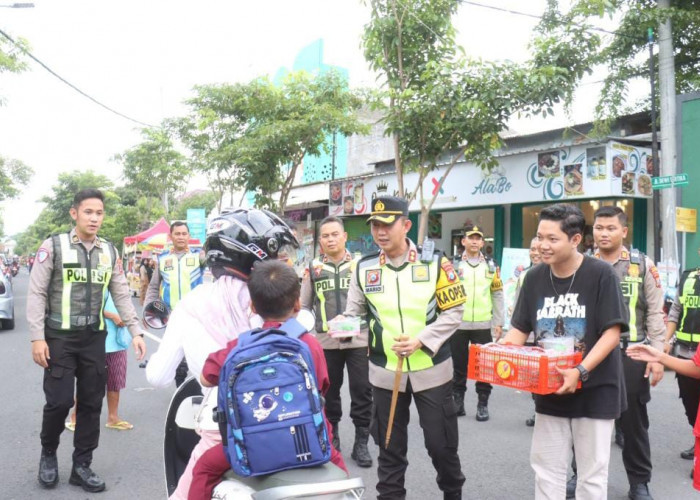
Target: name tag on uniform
420,273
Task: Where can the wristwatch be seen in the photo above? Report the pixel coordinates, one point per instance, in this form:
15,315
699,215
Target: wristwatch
583,372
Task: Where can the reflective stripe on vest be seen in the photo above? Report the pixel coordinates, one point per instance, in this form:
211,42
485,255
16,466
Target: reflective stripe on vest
690,302
330,284
631,273
178,276
477,284
81,284
401,301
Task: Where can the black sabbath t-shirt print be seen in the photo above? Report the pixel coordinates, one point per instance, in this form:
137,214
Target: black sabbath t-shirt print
562,315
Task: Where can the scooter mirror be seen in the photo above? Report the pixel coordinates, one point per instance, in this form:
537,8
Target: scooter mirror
156,314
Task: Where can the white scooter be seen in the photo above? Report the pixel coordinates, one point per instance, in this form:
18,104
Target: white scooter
326,482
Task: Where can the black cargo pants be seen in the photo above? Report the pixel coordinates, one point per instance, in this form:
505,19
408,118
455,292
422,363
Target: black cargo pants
75,356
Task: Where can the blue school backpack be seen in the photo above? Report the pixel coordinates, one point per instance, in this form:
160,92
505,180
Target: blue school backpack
269,407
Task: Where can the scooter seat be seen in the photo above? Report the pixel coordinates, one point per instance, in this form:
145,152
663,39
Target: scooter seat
308,475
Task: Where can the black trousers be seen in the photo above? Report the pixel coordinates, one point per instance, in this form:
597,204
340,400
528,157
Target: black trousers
358,377
459,342
74,356
634,423
438,419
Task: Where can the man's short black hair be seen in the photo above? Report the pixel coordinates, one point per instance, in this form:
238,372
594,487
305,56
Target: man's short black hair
612,211
570,218
178,223
330,219
274,289
87,194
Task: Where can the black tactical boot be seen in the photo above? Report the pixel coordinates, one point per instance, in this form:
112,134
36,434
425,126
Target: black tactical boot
336,436
82,475
482,408
48,469
530,422
459,403
360,453
639,491
689,453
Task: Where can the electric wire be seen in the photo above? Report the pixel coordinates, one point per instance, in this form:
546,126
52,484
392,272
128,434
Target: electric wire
66,82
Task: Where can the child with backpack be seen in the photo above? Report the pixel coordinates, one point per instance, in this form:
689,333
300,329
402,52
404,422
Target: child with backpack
274,292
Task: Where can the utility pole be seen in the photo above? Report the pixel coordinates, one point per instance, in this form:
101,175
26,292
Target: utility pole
654,150
667,97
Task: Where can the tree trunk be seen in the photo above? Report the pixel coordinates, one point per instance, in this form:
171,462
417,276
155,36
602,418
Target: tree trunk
422,224
166,205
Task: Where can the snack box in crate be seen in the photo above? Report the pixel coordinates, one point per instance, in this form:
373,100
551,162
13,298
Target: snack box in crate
530,369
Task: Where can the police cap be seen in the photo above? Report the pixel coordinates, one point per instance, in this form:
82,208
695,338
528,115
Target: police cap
386,209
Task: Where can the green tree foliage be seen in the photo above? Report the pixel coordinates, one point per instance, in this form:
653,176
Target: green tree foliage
154,168
206,200
13,175
443,107
625,53
253,136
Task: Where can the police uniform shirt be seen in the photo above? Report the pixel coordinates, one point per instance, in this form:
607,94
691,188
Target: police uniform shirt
40,277
653,293
432,337
308,301
497,298
153,292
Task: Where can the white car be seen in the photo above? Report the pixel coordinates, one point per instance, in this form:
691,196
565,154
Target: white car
7,303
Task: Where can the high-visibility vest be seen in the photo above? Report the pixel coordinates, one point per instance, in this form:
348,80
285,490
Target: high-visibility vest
330,285
79,283
688,329
178,276
402,301
631,269
479,281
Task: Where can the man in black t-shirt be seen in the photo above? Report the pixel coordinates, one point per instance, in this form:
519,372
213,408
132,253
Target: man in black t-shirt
575,296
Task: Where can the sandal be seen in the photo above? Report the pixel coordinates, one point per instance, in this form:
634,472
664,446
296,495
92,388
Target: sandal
70,426
122,425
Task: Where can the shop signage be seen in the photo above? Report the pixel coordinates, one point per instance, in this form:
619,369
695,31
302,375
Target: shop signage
686,220
574,172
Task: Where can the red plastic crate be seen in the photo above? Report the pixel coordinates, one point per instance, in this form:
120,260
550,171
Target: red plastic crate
508,366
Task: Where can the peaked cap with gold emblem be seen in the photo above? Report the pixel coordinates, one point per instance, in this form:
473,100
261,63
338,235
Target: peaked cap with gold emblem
386,209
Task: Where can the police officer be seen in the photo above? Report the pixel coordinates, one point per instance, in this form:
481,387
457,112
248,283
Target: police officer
177,273
414,302
324,290
482,311
684,322
69,281
643,296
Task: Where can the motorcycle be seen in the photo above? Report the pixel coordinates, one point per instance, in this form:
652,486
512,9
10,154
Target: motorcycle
325,482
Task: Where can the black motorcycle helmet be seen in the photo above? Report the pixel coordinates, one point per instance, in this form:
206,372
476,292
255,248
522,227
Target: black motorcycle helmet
236,240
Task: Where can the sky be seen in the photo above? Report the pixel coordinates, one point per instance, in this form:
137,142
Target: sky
142,58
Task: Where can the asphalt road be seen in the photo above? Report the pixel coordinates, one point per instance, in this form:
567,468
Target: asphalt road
495,454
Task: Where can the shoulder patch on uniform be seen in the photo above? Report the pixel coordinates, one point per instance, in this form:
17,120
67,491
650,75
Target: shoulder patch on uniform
655,274
449,269
42,255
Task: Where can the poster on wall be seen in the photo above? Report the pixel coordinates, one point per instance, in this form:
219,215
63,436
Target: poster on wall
573,179
596,163
630,174
548,164
514,262
348,198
